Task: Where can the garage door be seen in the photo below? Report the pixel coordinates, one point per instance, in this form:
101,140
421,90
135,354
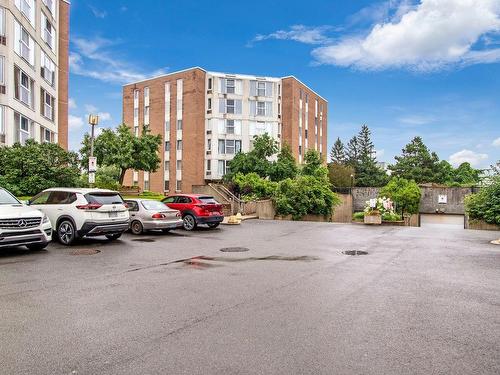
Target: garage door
450,221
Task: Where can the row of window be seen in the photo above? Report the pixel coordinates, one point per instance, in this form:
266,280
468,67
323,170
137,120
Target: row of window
234,106
27,8
235,86
24,129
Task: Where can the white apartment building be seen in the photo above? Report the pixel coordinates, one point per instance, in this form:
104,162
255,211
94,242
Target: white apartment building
30,82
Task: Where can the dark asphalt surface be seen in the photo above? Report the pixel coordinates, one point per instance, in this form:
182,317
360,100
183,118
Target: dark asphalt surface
423,301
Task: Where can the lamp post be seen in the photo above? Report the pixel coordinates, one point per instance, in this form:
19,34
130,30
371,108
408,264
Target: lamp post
93,121
352,182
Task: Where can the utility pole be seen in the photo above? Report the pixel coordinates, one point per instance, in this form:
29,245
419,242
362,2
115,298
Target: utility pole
93,121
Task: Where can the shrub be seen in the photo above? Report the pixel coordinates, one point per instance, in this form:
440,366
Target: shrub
485,205
358,216
304,195
251,186
405,194
391,216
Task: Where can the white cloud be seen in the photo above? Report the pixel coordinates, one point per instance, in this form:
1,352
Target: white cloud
496,142
379,154
90,108
98,13
72,103
433,35
74,122
474,158
104,116
298,33
416,120
93,58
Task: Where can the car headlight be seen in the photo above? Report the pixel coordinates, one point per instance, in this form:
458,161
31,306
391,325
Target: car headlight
45,219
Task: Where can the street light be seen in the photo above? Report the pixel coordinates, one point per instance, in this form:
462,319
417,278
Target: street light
93,121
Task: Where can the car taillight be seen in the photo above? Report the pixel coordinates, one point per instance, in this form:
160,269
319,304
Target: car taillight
158,216
90,206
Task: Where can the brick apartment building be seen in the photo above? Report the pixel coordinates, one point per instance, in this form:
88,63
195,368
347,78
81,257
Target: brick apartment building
34,44
205,118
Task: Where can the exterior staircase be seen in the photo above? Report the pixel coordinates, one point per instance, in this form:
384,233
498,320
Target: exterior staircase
230,202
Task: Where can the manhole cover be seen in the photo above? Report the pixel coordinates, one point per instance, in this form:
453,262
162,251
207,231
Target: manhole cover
354,252
85,252
143,240
234,249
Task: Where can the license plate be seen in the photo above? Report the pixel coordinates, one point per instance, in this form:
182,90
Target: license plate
113,214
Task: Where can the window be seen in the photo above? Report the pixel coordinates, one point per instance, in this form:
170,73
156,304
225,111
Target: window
46,136
179,165
25,44
136,98
229,106
300,150
167,165
229,126
2,71
23,85
179,144
136,130
223,167
166,187
229,146
135,178
179,124
230,86
261,88
146,95
61,197
48,69
47,32
209,86
50,4
27,8
209,165
167,145
261,108
222,146
23,127
2,124
209,144
2,21
41,198
146,115
47,105
178,185
132,205
306,133
209,104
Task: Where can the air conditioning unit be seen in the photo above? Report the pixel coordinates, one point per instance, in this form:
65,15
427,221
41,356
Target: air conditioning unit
209,173
3,40
209,111
209,132
209,152
2,89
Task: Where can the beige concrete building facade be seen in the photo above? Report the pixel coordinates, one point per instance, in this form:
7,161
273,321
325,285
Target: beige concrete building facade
205,118
34,36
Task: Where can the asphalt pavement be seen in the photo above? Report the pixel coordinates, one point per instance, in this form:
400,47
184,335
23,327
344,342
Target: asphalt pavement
421,301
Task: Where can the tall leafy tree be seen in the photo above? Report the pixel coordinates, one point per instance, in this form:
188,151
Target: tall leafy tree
341,175
466,175
416,163
405,194
338,153
313,165
257,160
285,166
120,148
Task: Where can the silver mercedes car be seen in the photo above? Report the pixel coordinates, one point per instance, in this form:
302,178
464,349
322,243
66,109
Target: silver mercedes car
149,214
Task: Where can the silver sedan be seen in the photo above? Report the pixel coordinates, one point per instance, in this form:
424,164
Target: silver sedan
148,214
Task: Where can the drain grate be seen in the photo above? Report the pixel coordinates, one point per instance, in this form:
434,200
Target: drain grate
85,252
354,252
234,249
144,240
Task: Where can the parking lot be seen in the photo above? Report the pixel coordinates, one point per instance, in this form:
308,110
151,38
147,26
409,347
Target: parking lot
422,300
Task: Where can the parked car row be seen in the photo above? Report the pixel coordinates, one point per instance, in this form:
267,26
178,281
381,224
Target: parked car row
67,214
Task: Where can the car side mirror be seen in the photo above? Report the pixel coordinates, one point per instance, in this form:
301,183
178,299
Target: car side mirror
27,202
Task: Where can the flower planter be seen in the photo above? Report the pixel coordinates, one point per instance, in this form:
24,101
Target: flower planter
373,219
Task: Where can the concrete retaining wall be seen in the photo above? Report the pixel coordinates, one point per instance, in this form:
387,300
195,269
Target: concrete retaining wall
480,225
362,194
265,210
343,213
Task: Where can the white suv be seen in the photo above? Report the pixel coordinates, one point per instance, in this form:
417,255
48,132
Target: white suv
76,213
21,225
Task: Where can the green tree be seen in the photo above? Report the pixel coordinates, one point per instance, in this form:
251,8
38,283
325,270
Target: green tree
367,171
444,173
404,193
29,169
285,166
352,152
256,160
120,148
365,148
313,165
416,163
485,205
466,175
338,153
340,175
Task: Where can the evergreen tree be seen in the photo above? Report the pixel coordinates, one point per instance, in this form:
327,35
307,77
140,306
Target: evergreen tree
352,152
367,171
365,147
417,163
337,153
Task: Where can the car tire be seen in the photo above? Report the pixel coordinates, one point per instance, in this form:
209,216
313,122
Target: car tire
189,222
113,236
66,233
37,246
213,225
136,227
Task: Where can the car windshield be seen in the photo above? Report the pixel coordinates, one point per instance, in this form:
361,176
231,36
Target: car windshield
7,198
154,205
208,200
104,198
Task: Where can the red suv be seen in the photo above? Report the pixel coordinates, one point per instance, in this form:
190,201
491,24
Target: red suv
196,209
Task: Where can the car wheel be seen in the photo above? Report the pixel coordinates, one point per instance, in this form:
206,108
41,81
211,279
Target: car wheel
37,246
189,222
66,232
213,225
136,227
114,236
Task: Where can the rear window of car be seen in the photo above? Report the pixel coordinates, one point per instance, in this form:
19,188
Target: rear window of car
154,205
104,198
208,200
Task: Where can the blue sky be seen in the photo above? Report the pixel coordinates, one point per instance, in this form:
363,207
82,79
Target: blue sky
403,67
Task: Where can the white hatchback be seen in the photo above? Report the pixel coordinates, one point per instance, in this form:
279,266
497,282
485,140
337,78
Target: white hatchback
76,213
